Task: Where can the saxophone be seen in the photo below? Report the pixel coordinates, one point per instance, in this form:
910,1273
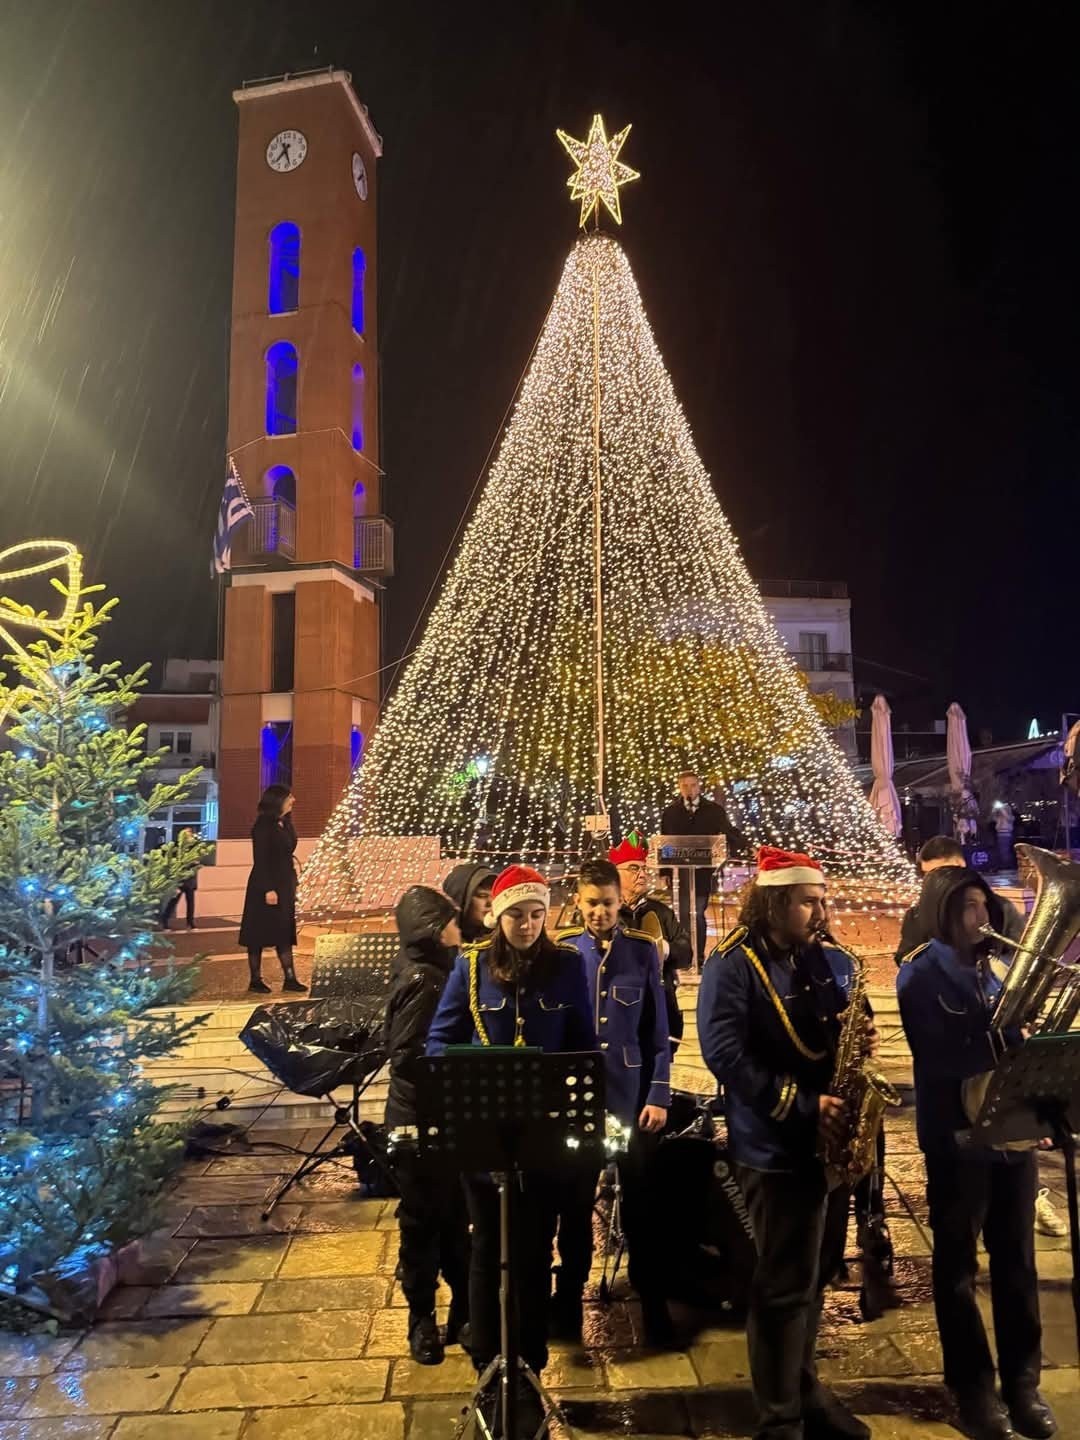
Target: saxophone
866,1094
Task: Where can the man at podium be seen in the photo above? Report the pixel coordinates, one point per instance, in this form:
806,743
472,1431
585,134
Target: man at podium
692,814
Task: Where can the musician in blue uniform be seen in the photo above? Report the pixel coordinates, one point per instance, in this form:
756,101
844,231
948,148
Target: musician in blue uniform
769,1010
622,970
947,989
518,988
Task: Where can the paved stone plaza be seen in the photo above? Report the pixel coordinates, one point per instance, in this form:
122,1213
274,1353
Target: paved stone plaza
222,1329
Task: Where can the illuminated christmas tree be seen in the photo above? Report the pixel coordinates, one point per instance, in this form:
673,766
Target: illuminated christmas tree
598,630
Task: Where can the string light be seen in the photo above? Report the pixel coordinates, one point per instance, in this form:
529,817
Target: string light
488,744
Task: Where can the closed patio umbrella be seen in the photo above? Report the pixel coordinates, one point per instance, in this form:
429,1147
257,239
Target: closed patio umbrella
883,796
958,754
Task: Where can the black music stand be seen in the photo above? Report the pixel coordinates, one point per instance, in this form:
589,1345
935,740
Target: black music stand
508,1110
1034,1093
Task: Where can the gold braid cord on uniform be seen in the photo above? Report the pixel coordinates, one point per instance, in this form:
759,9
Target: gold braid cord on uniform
778,1005
474,996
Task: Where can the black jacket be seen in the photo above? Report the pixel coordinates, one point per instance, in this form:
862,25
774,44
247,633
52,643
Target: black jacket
417,979
921,921
708,819
461,885
272,845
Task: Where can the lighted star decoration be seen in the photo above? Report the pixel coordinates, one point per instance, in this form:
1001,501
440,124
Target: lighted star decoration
600,172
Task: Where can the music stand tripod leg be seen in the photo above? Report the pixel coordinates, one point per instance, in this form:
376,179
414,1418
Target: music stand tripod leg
1064,1137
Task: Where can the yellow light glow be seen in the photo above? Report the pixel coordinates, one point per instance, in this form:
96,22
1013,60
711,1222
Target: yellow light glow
489,740
23,617
600,172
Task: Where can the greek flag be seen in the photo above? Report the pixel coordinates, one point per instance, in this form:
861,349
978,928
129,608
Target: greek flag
235,507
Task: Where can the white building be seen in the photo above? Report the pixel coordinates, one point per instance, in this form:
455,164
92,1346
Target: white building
182,719
814,619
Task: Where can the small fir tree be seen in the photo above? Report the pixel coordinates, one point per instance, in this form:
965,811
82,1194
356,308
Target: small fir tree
82,1159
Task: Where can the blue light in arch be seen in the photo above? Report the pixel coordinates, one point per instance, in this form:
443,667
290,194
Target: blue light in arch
281,484
358,407
356,745
359,269
284,280
282,369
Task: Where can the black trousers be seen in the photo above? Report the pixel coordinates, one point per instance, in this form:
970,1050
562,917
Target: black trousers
536,1202
171,906
971,1192
799,1234
434,1229
702,890
640,1220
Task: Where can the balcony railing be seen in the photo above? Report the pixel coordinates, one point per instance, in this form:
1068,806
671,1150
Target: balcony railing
270,534
819,662
804,589
373,546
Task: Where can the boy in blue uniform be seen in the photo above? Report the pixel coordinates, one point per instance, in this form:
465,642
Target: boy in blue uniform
769,1012
947,989
622,971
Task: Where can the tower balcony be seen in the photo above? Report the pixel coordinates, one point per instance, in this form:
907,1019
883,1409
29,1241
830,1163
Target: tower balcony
373,546
270,534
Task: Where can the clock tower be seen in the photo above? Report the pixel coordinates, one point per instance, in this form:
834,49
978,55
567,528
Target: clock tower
300,681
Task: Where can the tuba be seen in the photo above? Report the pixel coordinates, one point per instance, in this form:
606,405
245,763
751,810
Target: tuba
866,1094
1052,926
650,925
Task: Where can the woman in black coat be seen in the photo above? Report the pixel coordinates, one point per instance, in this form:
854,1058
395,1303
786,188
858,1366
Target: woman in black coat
270,903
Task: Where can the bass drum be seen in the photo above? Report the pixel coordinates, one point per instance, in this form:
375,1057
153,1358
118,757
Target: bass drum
706,1238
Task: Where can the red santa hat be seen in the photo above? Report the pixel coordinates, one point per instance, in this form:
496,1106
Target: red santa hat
515,885
786,867
631,849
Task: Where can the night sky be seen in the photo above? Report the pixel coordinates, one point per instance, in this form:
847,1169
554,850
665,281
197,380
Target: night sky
856,238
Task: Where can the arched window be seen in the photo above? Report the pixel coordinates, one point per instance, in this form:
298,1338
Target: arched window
358,499
284,287
356,746
358,407
281,380
281,484
359,266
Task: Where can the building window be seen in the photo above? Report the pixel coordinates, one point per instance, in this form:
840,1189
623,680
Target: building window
356,745
165,740
277,753
280,484
284,284
282,369
183,742
813,647
358,407
282,639
359,268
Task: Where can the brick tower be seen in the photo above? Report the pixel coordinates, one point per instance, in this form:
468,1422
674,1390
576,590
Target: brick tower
300,681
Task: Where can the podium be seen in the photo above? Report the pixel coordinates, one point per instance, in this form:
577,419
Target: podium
507,1110
1035,1094
685,855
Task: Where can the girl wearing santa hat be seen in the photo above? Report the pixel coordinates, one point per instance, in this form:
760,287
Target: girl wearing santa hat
517,988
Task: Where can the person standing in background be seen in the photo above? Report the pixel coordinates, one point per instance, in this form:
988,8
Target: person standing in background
269,916
692,814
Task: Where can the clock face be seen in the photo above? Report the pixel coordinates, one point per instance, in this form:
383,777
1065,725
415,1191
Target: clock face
286,151
359,175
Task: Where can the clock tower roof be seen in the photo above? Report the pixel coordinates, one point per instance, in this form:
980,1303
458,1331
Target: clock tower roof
306,80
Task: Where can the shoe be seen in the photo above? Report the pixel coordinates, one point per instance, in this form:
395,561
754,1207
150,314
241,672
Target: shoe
292,986
1047,1219
457,1331
1030,1414
258,987
656,1323
424,1344
983,1415
566,1316
826,1417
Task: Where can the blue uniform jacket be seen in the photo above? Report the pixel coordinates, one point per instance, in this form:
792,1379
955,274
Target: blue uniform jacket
772,1075
945,1007
555,1015
630,1015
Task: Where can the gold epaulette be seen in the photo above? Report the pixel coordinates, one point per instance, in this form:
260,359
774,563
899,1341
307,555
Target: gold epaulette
639,935
561,935
476,944
731,940
906,959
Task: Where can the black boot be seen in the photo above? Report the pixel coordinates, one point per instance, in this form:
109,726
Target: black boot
826,1417
424,1343
656,1323
256,983
983,1415
1029,1412
457,1330
292,985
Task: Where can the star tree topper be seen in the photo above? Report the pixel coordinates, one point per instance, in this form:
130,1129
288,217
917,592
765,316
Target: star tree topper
600,172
